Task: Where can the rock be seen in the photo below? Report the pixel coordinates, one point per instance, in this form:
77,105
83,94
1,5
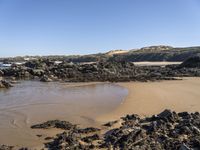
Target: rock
37,72
54,124
1,73
131,117
5,84
48,138
66,140
110,124
165,114
192,62
168,116
89,139
45,79
88,130
102,70
5,147
184,147
167,130
184,115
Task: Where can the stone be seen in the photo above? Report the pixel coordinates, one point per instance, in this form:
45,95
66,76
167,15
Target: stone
88,130
110,124
54,124
89,139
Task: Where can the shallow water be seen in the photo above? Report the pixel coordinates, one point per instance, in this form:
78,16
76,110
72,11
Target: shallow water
30,102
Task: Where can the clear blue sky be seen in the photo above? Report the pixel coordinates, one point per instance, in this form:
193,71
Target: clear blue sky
45,27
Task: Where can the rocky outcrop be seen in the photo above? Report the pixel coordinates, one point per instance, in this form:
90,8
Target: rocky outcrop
113,71
168,130
192,62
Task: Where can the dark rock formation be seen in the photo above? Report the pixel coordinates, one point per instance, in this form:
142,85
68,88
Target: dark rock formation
110,124
192,62
113,71
1,73
90,139
88,130
54,124
167,130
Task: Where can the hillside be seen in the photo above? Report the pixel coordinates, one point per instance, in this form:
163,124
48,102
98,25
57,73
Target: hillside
152,53
158,53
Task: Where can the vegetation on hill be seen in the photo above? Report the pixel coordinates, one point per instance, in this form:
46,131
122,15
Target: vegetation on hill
152,53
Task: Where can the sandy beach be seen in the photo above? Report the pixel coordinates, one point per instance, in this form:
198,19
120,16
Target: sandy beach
150,98
143,98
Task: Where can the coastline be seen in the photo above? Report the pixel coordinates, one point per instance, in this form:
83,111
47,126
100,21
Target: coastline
148,98
143,98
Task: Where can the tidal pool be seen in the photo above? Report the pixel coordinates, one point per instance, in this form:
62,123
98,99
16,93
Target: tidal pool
31,102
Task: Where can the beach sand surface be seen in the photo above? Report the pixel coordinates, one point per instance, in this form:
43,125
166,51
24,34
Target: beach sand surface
148,98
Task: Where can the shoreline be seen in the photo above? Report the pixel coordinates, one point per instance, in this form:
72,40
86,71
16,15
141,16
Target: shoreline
78,103
144,99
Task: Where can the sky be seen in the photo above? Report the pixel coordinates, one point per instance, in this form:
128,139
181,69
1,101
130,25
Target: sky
66,27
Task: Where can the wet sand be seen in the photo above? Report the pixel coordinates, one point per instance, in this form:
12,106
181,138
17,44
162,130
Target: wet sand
151,98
